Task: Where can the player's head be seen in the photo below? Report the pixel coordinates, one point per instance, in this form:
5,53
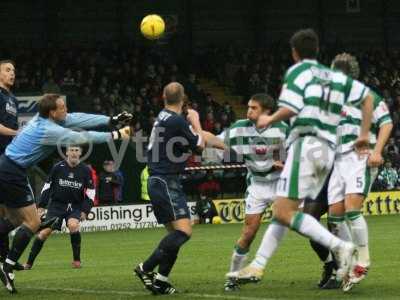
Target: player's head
346,63
259,104
74,153
174,94
7,73
304,44
52,106
108,166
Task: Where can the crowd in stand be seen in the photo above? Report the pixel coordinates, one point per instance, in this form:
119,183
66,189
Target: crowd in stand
107,80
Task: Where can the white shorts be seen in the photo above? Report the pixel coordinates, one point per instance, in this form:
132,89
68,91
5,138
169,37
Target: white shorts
350,176
259,195
308,163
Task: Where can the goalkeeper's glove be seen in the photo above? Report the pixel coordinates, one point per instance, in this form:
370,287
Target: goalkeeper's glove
122,134
122,119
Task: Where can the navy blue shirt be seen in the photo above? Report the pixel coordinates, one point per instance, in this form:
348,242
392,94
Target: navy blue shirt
67,184
170,141
8,116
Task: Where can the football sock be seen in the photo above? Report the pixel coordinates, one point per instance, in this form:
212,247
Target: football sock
239,257
270,242
4,246
339,227
311,228
20,242
359,230
322,252
76,245
166,253
36,248
161,277
5,226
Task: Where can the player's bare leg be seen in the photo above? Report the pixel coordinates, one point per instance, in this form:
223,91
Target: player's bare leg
239,255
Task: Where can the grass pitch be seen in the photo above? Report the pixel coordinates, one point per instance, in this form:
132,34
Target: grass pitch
108,259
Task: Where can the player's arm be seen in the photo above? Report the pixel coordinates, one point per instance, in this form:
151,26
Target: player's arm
89,195
87,121
282,114
384,121
192,133
213,141
367,107
4,130
58,135
44,197
359,95
291,102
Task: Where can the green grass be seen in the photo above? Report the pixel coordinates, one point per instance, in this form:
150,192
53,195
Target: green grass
108,258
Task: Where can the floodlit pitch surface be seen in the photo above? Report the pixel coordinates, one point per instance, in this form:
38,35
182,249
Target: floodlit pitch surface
108,259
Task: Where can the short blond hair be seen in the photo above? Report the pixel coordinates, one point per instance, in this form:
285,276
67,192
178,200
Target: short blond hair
346,63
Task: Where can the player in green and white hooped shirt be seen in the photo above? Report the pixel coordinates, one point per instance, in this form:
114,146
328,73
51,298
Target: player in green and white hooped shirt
352,175
262,150
312,98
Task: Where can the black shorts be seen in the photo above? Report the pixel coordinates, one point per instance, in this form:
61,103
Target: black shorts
167,197
63,211
15,190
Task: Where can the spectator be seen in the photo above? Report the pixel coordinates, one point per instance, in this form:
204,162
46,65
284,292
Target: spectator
208,124
50,86
119,189
210,187
205,209
109,184
143,181
225,122
388,177
95,180
391,148
217,128
229,112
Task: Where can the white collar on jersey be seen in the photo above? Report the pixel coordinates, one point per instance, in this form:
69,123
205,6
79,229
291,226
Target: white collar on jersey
313,61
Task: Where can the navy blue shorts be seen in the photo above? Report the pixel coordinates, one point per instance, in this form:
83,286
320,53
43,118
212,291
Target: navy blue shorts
15,190
168,199
63,211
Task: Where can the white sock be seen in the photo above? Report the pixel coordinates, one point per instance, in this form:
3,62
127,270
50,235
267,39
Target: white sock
359,230
161,277
340,227
311,228
238,260
270,242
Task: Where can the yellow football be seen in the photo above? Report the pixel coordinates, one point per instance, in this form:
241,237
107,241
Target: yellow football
216,220
152,27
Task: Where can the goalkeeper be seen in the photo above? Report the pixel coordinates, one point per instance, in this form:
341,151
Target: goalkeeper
50,128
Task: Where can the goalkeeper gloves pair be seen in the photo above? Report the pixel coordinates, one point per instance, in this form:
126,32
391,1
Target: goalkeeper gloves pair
124,122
